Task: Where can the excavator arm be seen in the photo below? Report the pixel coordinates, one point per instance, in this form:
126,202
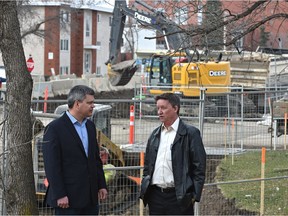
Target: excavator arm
121,72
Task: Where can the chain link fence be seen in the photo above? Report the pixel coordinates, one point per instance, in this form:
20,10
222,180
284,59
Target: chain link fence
232,124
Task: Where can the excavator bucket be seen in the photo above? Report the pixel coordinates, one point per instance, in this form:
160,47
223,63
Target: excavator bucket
121,73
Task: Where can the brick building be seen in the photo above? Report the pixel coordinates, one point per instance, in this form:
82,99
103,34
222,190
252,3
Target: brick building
73,39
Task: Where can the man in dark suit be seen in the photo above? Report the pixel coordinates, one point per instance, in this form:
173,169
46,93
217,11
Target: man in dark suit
71,157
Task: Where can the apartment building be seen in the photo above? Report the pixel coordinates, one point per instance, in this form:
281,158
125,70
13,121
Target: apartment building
72,39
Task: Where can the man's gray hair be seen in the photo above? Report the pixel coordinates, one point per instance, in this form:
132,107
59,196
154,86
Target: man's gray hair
79,93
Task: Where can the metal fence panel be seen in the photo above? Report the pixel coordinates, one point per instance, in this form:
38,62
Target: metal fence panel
235,123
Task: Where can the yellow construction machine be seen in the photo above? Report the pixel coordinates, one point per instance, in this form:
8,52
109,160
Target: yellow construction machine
176,74
180,71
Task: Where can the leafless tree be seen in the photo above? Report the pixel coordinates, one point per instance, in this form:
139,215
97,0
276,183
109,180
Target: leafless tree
227,23
18,182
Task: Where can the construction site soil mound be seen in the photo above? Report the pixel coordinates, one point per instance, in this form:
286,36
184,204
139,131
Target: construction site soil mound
213,201
121,94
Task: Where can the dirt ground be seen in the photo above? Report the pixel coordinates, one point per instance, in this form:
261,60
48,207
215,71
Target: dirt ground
213,202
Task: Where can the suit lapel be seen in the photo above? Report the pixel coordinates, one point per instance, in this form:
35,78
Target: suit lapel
180,132
73,131
157,135
90,138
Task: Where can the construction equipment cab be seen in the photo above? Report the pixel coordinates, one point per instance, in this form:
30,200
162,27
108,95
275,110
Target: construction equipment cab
174,72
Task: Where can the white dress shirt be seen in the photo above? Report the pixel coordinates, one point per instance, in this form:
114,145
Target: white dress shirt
163,173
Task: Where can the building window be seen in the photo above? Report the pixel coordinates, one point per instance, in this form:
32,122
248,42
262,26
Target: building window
240,42
64,44
87,29
181,15
200,14
110,21
98,43
98,71
87,62
162,10
64,16
98,18
64,70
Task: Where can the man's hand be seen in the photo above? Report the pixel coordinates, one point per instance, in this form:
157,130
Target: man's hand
63,202
102,194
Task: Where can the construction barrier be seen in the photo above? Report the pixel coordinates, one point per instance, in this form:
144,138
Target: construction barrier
263,160
131,131
45,99
240,136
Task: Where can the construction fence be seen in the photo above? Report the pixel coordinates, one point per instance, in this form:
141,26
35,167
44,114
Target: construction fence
233,125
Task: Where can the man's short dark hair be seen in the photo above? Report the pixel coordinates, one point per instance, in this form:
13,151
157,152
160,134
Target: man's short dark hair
173,99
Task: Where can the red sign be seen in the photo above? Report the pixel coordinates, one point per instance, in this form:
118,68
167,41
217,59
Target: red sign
30,64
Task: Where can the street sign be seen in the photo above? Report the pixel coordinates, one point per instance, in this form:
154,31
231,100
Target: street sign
30,64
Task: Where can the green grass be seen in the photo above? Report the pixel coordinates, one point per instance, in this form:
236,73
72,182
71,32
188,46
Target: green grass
247,166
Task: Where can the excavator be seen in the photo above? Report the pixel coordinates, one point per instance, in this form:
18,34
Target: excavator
179,70
120,72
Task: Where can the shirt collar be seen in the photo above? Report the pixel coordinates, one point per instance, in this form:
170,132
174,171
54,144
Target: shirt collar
174,126
73,119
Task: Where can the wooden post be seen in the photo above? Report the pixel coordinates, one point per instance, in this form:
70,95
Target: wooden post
285,129
233,141
225,137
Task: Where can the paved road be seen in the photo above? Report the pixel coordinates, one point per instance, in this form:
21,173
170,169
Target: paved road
217,137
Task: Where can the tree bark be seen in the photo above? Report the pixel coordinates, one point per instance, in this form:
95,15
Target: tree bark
18,181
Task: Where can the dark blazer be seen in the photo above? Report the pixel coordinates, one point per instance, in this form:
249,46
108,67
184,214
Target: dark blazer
188,162
69,171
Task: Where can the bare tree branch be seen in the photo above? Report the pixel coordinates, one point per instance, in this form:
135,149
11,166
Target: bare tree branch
255,26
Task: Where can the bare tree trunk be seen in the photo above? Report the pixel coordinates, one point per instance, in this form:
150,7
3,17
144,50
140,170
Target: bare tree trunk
19,187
